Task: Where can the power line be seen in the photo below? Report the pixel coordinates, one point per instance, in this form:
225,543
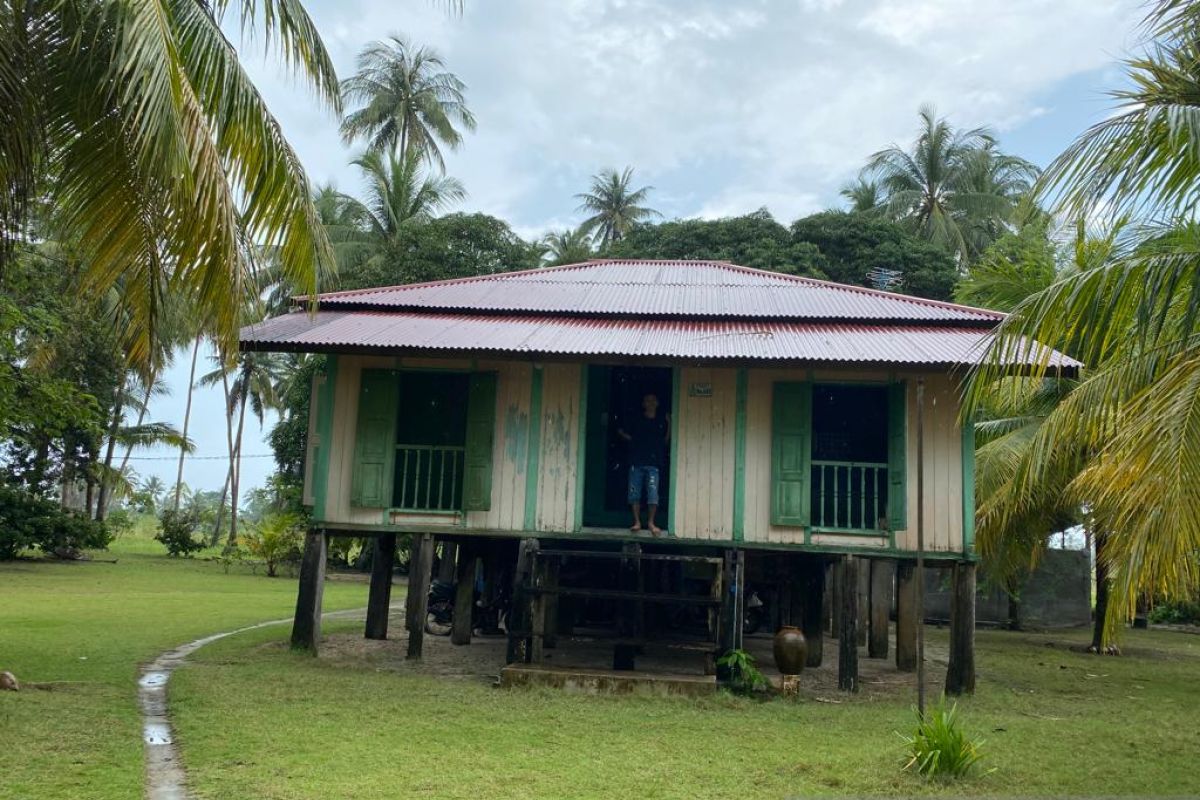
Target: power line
197,458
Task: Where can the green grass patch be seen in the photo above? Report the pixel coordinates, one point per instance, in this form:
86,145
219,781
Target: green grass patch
74,634
258,721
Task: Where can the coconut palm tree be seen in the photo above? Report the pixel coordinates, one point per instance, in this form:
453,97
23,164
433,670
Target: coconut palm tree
159,153
613,206
409,103
398,192
948,182
569,246
250,380
1135,321
865,196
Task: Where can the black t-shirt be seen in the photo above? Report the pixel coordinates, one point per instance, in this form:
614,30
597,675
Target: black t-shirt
647,445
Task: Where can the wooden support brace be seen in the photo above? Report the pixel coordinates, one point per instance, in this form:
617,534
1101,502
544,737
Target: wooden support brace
379,598
464,595
906,616
306,626
960,672
880,600
417,602
848,634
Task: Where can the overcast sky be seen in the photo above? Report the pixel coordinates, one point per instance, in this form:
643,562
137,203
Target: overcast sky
724,107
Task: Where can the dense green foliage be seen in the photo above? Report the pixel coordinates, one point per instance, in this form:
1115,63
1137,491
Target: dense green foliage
754,240
857,247
30,522
179,531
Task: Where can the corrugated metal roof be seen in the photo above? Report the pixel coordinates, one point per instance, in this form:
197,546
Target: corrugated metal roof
679,289
666,339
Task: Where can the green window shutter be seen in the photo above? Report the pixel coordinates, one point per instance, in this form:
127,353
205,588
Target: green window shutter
375,439
481,433
791,453
898,456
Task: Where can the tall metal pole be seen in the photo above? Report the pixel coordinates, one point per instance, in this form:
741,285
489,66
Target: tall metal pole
920,571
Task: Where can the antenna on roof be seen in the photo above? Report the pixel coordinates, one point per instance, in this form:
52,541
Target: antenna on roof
884,279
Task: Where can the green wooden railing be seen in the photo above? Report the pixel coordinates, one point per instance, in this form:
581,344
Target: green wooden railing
849,495
429,478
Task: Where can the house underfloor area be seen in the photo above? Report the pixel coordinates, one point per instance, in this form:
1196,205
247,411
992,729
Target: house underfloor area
582,664
655,616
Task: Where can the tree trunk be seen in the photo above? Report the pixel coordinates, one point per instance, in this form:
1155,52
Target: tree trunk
216,536
109,452
1100,642
235,469
187,418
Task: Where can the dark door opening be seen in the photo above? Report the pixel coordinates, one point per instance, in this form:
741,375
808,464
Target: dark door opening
615,394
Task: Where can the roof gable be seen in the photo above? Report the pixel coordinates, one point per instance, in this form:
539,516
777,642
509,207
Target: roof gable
659,289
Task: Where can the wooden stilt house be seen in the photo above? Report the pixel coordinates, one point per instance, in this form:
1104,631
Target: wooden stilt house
483,412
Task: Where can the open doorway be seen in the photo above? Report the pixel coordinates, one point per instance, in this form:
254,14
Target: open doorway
614,398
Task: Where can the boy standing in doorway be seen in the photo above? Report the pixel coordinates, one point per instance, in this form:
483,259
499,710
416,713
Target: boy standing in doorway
647,435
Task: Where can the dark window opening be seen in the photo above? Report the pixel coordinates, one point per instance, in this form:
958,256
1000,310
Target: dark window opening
849,457
431,435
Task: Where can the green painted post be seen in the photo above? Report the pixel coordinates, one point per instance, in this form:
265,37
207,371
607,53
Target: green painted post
739,456
968,486
676,380
325,437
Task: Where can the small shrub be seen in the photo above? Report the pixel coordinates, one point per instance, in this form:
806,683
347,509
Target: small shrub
1182,612
939,748
177,531
28,521
276,540
120,521
743,676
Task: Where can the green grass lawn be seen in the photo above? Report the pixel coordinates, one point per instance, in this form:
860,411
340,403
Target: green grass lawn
79,630
257,721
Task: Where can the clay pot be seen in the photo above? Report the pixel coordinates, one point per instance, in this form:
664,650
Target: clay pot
791,650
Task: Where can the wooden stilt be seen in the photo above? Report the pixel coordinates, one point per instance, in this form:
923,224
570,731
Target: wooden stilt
464,595
306,627
537,640
906,616
628,624
518,649
379,598
417,602
960,672
448,562
835,596
880,601
813,610
864,597
848,634
552,603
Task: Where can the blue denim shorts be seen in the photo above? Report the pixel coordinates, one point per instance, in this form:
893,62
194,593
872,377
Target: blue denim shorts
639,476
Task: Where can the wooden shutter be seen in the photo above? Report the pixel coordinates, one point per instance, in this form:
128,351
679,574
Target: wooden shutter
898,456
791,453
481,433
375,439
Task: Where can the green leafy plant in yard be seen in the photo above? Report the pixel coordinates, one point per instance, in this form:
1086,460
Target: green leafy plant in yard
28,521
743,676
276,540
1182,612
939,747
177,531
